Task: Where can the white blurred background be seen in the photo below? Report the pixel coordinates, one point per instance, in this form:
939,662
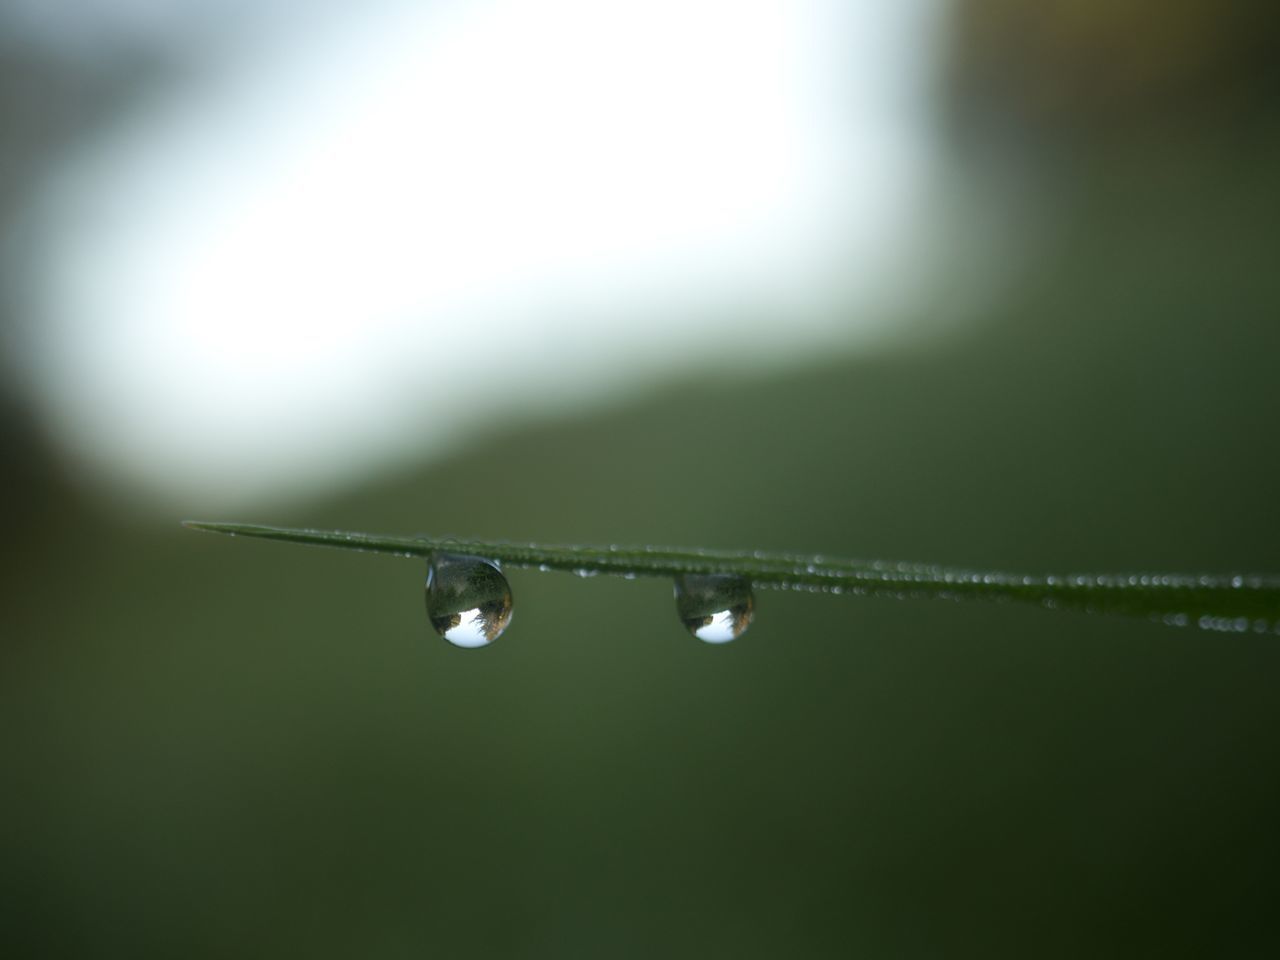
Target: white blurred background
310,252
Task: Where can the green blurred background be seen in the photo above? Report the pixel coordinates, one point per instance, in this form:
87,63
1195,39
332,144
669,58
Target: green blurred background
216,747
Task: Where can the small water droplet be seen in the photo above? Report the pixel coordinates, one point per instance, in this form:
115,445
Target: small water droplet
716,607
468,599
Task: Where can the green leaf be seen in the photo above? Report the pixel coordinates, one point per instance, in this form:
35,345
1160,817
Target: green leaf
1234,603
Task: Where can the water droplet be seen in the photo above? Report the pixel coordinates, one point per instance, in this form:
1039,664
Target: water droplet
468,599
716,607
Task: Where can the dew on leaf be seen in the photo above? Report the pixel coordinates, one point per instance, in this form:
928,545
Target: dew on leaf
715,607
468,599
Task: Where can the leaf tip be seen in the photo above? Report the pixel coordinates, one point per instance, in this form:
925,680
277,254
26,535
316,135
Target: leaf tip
207,526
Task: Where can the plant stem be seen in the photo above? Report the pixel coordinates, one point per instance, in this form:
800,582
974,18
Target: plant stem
1238,603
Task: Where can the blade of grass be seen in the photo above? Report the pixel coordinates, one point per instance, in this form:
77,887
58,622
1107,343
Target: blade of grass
1238,603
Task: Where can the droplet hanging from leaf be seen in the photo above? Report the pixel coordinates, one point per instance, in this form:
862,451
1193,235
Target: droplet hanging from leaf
716,607
468,599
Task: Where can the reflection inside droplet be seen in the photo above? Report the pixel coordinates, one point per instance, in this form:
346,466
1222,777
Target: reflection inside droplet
468,599
715,607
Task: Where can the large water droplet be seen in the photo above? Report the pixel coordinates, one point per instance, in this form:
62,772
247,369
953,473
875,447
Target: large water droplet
716,607
468,599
